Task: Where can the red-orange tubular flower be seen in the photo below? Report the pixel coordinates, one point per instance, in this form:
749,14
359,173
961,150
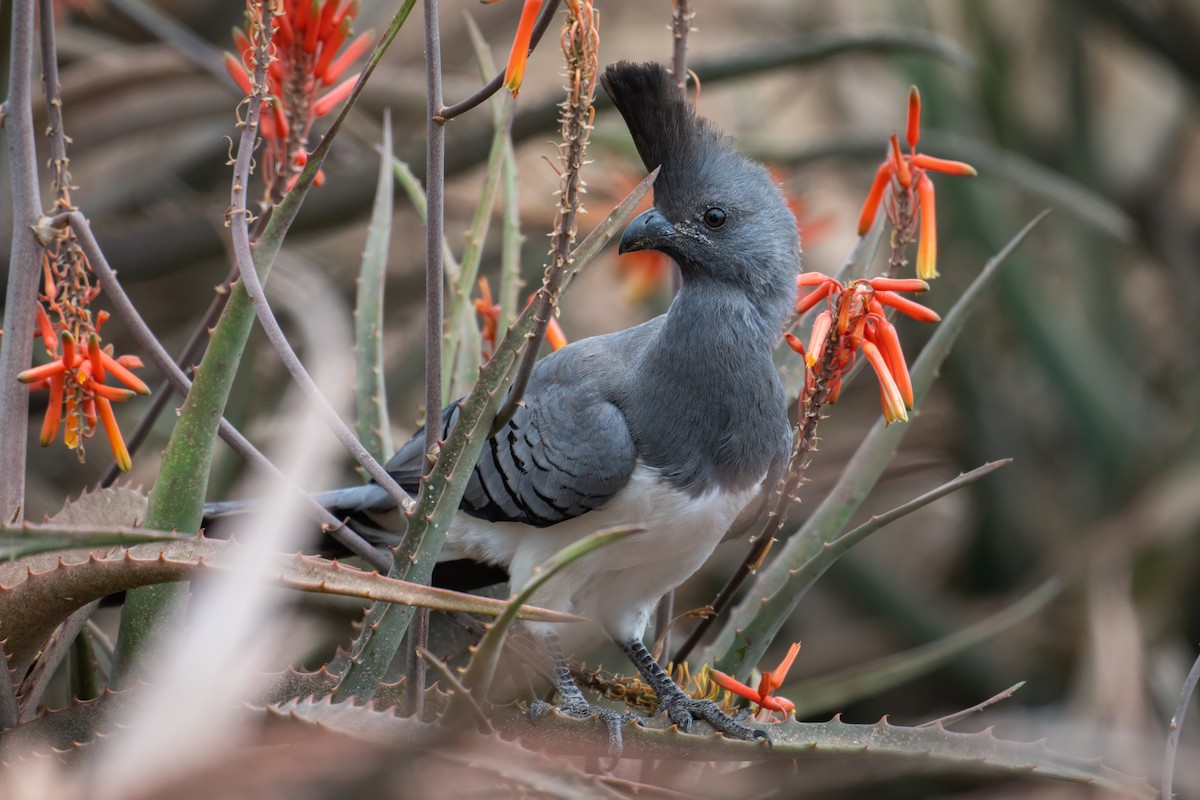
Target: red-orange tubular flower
514,73
78,379
489,314
910,188
768,683
307,44
856,322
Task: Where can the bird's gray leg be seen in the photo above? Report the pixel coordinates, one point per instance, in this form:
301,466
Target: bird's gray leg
680,708
572,703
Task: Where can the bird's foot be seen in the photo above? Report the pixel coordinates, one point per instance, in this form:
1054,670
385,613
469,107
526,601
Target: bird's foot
683,710
581,709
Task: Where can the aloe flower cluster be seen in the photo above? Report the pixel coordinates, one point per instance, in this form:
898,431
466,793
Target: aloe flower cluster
911,195
306,78
83,378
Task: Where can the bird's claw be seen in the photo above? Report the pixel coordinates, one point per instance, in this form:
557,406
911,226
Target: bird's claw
613,720
683,710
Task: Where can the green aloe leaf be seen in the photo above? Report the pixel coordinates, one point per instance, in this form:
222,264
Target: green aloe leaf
370,393
930,747
30,540
461,360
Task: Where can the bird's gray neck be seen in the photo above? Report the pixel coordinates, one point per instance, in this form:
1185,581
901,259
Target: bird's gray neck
705,403
731,316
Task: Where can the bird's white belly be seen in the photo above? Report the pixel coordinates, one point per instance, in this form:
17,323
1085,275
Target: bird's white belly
618,585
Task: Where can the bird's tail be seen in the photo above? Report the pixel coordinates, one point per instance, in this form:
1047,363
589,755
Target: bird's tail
339,502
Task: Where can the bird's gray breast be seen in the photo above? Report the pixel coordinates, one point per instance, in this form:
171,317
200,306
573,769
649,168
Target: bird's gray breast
705,405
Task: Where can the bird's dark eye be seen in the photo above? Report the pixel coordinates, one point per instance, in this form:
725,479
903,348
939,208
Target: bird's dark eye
714,217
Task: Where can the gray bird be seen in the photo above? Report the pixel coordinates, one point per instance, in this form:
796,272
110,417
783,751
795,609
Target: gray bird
674,424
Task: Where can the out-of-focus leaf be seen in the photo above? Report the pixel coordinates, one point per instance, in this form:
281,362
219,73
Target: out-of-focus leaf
849,685
38,592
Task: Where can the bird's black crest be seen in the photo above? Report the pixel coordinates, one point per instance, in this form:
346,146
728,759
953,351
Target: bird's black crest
665,127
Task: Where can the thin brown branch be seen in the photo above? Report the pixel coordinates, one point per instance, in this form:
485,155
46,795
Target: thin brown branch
447,113
59,163
166,365
580,41
435,181
959,716
681,25
435,193
16,346
240,230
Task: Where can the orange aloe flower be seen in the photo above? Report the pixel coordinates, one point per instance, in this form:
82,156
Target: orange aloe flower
78,381
514,73
489,313
767,702
911,190
306,41
860,326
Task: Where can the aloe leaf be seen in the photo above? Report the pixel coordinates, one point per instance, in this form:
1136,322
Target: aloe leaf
478,676
752,624
370,392
38,592
506,762
385,625
462,314
807,574
837,690
30,540
931,747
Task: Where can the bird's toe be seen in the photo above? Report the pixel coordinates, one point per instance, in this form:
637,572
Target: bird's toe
684,710
613,720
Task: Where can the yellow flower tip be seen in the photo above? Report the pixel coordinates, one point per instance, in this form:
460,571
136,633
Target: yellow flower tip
926,264
890,396
115,441
927,248
820,332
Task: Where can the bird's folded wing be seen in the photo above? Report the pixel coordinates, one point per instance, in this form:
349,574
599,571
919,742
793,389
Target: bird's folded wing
566,451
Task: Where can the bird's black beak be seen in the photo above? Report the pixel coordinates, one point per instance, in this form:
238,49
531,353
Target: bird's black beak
648,231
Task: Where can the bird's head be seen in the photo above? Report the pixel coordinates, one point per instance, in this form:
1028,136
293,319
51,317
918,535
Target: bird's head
719,214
